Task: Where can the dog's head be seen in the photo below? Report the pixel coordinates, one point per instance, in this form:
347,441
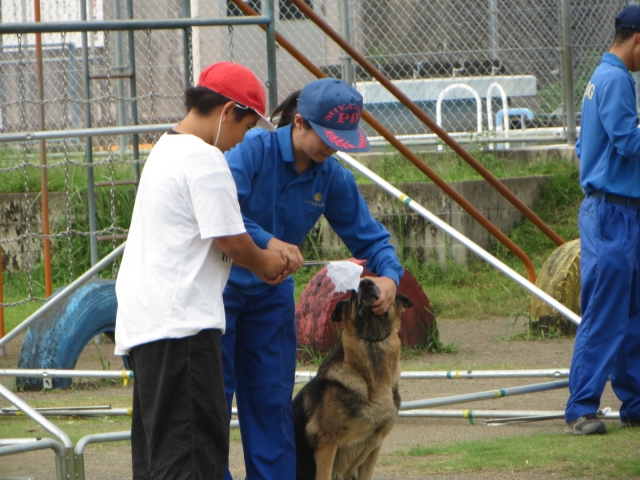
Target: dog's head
358,311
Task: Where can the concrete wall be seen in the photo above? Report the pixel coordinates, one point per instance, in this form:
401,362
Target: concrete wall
421,238
20,215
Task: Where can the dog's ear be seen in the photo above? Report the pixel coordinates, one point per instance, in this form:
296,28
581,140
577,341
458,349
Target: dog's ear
404,301
341,307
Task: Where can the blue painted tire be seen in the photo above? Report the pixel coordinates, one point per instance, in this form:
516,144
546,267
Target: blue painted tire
56,340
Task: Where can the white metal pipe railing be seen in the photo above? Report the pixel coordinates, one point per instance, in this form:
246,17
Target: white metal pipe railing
475,94
464,374
510,414
488,395
505,108
55,373
36,417
448,229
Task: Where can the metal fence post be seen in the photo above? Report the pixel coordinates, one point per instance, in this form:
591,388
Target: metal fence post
91,197
345,31
272,73
121,107
567,63
493,28
133,91
188,67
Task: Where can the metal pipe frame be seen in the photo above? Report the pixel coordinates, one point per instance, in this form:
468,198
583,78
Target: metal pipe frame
272,71
461,375
56,373
84,132
488,395
113,412
133,92
428,121
129,24
471,414
30,412
91,196
45,409
404,150
44,188
567,69
64,293
448,229
94,438
65,465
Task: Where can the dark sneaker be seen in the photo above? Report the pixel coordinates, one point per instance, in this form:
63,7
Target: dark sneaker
629,422
587,425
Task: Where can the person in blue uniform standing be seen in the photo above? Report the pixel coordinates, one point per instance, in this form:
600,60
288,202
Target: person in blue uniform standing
608,338
286,180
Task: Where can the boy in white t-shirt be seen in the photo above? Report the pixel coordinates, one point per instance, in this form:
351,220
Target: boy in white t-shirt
185,231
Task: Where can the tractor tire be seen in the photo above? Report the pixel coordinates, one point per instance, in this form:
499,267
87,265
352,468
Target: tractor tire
560,278
56,340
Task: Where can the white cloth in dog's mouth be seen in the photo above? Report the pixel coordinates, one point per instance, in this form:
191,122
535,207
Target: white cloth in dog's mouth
345,275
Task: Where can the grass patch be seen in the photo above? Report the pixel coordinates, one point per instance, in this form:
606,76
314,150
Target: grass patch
479,291
395,168
613,456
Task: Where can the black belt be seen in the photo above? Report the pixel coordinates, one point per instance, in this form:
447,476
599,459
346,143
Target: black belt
608,197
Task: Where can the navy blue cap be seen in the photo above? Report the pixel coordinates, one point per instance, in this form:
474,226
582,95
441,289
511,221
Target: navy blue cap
333,108
629,19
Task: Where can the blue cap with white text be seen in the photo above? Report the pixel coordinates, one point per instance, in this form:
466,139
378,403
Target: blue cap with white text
333,108
629,19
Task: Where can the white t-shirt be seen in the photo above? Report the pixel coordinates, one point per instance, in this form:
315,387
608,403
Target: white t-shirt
172,274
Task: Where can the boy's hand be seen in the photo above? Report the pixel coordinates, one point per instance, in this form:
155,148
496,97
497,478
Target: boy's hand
275,270
289,251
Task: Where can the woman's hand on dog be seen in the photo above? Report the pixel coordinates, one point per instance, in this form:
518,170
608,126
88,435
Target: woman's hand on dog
388,290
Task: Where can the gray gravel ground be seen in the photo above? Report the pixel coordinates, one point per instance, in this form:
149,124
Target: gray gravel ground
481,346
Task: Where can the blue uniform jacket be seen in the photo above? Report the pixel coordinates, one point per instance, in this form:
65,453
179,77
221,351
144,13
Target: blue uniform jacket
609,143
276,201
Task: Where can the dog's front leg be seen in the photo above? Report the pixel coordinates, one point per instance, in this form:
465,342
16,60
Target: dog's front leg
365,472
325,455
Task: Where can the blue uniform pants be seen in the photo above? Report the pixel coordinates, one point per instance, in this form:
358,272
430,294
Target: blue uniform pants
608,338
259,364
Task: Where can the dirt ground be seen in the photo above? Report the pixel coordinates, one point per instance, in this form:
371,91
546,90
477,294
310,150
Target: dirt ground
482,345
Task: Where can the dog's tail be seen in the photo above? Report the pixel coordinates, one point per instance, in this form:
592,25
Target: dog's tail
305,460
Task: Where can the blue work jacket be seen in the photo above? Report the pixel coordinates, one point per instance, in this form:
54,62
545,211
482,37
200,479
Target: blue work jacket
609,142
277,201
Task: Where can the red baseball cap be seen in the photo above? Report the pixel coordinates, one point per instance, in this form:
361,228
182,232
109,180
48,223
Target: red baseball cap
239,84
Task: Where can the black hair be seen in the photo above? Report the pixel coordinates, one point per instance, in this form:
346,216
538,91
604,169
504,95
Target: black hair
287,110
623,35
203,100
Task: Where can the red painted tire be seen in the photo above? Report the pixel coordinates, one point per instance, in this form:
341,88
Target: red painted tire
318,300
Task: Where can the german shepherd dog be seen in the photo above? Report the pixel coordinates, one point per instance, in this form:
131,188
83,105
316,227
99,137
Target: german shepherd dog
343,414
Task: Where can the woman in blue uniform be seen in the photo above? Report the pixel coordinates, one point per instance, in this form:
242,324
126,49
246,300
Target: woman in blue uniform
285,181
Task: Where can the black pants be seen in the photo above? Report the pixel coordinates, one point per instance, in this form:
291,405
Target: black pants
180,424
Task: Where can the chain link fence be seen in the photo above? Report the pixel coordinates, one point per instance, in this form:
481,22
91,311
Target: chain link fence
443,51
449,56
